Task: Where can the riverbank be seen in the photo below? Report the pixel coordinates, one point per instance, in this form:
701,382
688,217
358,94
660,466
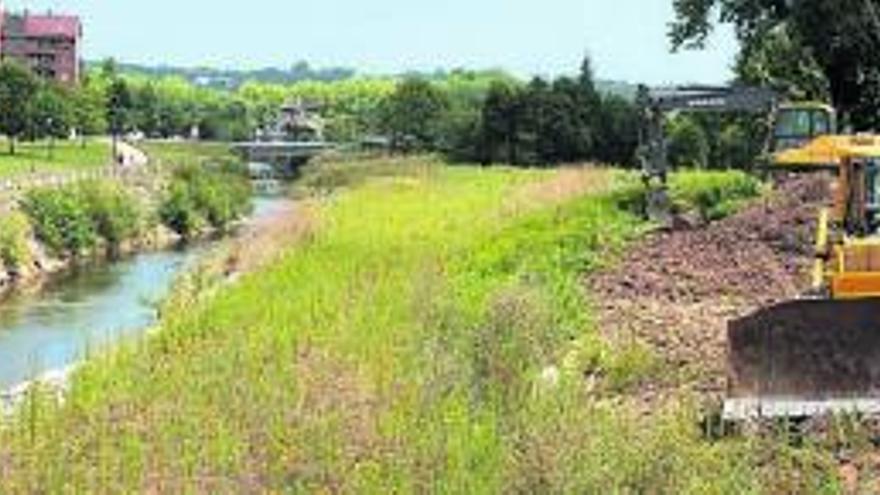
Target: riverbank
220,261
359,336
424,329
55,229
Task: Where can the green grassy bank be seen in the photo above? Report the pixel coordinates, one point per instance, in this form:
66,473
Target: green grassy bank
66,156
406,345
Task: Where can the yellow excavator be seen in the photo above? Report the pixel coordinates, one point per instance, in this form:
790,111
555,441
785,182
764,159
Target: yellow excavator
818,354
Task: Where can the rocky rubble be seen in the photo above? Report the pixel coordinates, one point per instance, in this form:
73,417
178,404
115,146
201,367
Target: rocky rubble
675,290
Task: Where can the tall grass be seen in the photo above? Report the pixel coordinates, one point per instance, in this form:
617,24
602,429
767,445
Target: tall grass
714,195
402,347
15,234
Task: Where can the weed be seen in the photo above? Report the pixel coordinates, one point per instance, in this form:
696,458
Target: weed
15,233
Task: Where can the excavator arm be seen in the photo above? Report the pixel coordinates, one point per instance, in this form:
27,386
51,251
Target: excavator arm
656,103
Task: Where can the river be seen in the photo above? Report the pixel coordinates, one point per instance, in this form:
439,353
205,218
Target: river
91,307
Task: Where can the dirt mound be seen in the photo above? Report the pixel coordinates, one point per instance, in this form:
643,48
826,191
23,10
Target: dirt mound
676,290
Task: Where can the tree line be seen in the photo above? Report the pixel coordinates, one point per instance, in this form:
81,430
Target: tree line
469,116
483,116
539,123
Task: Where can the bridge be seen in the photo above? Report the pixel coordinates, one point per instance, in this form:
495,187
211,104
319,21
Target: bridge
285,156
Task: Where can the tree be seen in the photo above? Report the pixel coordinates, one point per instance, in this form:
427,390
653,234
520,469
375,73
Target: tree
410,115
89,108
688,144
840,37
51,113
17,89
501,123
734,150
563,121
617,137
118,110
780,61
145,109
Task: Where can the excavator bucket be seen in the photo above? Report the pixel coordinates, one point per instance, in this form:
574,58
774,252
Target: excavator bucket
805,358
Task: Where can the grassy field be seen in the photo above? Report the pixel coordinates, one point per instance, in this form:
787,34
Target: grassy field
431,334
185,152
33,157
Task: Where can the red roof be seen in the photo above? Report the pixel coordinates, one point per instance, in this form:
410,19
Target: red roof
52,25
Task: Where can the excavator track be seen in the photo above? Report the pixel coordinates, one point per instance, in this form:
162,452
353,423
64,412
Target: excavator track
804,358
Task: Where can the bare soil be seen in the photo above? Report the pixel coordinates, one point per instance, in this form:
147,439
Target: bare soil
675,290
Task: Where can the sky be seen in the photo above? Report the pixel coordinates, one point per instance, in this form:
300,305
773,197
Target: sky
626,38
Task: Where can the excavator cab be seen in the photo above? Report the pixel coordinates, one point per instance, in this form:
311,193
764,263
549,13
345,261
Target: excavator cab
858,202
795,125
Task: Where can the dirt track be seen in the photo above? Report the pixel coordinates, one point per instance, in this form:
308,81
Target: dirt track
675,291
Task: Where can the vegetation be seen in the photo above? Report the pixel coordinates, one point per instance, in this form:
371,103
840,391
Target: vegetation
17,89
61,156
478,116
711,195
114,211
15,234
783,45
542,123
61,220
331,175
404,346
171,154
714,195
74,219
410,116
199,198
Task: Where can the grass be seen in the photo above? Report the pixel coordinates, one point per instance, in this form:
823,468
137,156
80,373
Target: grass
33,157
403,346
711,195
714,194
186,153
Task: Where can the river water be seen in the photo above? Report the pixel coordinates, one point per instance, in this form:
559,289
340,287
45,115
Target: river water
96,305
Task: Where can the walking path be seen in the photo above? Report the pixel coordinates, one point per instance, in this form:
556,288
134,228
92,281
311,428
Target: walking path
130,156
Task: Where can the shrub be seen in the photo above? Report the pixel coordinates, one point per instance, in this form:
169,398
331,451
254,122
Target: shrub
688,144
113,210
15,229
714,195
200,196
72,219
61,220
179,211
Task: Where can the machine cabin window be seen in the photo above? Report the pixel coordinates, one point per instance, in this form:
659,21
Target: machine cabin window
796,126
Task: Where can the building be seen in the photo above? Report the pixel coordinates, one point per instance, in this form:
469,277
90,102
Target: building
296,121
48,43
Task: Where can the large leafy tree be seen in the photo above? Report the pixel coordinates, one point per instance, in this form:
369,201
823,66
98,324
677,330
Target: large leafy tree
119,110
89,105
51,112
501,124
119,106
18,86
790,42
411,114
